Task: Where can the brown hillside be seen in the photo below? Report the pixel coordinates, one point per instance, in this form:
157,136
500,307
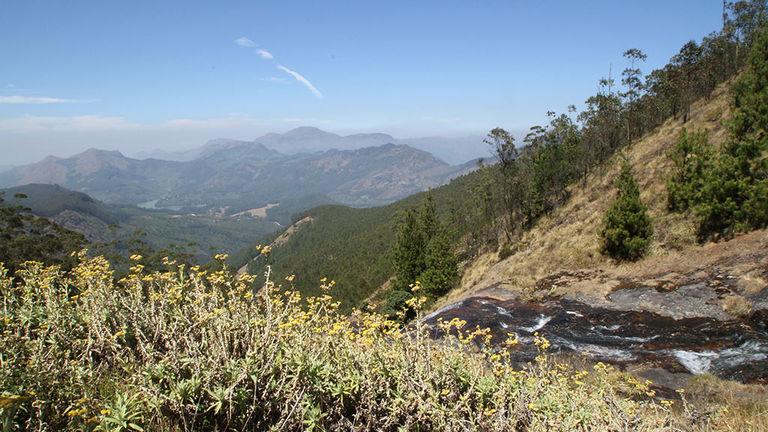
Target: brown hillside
567,241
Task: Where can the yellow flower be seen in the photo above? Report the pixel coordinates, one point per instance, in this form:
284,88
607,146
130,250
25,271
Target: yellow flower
76,412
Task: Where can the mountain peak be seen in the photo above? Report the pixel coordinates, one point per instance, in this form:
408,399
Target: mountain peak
305,132
99,152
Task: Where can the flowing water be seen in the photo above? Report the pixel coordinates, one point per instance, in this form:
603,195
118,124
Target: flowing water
730,349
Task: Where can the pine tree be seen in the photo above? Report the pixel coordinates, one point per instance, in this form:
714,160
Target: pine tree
627,228
692,158
423,253
408,252
735,197
428,222
441,272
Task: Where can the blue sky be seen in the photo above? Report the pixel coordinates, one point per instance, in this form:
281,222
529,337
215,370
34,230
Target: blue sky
169,74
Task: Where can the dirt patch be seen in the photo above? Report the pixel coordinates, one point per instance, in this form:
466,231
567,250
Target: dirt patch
260,212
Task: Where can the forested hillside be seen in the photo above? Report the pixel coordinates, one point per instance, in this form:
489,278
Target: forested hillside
119,231
26,237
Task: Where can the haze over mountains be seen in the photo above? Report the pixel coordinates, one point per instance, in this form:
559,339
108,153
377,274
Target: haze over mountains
230,176
454,150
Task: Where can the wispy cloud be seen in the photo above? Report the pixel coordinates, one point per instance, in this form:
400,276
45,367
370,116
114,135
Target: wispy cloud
38,100
300,78
245,42
266,55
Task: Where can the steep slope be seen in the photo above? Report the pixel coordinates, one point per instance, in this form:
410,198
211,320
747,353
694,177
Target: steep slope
685,309
568,238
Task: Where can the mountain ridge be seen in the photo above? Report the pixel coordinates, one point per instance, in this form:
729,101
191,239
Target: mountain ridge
310,139
233,175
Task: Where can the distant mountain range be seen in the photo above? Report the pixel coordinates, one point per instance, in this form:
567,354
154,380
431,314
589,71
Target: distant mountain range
229,176
307,139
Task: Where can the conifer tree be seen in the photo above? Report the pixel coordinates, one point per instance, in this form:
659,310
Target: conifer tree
408,252
692,158
735,197
627,228
441,271
422,252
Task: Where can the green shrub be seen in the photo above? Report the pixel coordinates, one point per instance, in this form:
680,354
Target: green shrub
627,228
505,252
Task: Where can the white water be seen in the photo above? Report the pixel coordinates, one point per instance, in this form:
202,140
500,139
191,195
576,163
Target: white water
543,320
699,362
445,309
597,351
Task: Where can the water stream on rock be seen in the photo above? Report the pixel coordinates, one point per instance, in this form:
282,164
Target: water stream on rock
729,349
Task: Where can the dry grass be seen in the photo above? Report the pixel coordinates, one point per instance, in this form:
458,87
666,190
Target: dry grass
747,405
568,238
737,306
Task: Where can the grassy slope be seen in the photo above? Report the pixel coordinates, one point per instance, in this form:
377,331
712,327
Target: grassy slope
568,238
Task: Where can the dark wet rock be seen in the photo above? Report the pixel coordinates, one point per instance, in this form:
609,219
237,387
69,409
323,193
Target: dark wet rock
728,348
759,320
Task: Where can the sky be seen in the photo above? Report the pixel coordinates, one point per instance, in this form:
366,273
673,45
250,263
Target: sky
138,75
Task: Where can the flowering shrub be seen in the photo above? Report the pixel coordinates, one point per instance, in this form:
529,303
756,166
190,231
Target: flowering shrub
186,349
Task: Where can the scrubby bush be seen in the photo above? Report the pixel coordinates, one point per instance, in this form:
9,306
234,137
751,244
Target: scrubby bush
186,349
627,228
